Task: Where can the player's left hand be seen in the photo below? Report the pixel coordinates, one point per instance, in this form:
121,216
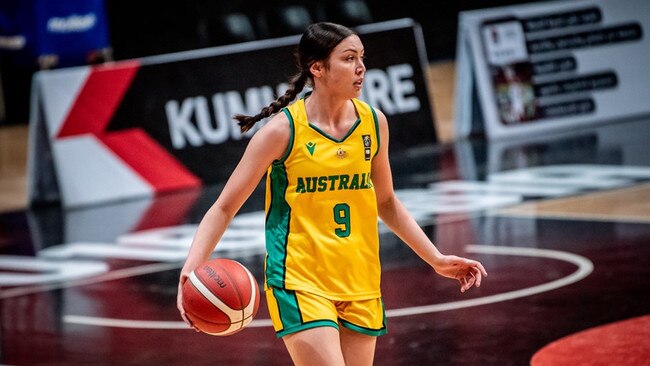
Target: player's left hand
467,271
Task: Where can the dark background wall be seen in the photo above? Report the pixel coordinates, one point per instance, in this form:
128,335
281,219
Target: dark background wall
180,25
141,28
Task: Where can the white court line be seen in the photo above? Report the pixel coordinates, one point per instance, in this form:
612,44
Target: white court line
160,267
143,324
585,267
110,276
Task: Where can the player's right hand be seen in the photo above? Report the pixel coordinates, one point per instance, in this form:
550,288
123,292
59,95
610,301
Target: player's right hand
179,301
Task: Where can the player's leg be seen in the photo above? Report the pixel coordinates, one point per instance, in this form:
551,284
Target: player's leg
315,346
358,349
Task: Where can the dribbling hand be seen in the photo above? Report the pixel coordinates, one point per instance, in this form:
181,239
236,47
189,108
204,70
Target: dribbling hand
179,302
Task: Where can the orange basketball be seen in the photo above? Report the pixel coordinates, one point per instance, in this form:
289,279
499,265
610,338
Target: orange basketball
221,297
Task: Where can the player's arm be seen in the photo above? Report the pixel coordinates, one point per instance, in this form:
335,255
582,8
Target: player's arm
267,145
391,210
393,213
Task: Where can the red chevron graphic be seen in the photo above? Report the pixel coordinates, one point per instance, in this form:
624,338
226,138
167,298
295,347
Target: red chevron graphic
98,99
91,113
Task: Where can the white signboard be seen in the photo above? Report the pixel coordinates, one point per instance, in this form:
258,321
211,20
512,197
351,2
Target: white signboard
536,68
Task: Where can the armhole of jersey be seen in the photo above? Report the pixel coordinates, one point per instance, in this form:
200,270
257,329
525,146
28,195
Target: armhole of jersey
291,138
374,117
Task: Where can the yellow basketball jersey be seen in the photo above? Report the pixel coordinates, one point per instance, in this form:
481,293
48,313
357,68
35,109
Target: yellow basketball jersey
321,210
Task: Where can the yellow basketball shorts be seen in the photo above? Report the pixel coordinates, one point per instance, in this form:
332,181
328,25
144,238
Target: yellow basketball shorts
294,311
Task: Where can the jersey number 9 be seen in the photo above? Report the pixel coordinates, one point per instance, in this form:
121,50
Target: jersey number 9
342,217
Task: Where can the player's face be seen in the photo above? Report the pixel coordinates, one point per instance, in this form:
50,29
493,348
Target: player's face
345,68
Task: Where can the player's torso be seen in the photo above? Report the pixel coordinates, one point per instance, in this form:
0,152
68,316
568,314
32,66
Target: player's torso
331,241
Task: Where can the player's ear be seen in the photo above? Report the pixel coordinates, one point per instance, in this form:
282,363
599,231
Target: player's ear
316,69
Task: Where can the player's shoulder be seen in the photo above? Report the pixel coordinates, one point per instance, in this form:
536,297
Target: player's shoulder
381,117
278,127
371,107
377,113
272,139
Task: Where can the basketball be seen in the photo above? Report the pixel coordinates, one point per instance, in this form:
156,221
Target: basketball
220,297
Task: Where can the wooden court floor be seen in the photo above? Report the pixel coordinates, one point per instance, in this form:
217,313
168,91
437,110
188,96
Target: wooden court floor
561,222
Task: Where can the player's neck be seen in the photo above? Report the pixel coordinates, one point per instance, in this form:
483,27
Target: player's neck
329,111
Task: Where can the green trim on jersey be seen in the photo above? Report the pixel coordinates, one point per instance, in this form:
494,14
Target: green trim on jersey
277,223
291,137
279,213
374,117
354,127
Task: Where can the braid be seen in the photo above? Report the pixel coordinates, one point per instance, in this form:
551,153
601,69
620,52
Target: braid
296,84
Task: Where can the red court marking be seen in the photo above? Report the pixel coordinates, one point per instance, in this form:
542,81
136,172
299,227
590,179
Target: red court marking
621,343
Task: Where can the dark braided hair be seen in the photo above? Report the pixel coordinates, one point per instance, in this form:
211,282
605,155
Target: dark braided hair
316,44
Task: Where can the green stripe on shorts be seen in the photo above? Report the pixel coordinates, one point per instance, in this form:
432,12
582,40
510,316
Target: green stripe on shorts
288,307
364,330
305,326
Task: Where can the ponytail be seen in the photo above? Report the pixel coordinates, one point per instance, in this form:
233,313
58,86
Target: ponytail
296,85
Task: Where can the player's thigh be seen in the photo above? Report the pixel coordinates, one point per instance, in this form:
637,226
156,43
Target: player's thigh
358,348
315,346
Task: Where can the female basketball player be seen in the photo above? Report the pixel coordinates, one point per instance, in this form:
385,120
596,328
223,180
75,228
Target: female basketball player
328,179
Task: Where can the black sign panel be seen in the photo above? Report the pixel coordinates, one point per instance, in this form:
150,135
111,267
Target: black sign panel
186,101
